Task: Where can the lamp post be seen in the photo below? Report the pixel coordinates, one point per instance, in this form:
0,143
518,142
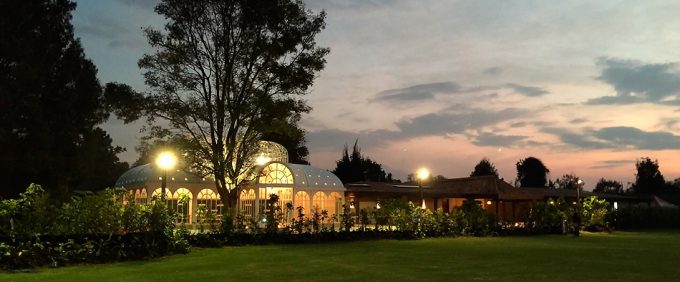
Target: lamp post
577,215
166,161
423,174
578,192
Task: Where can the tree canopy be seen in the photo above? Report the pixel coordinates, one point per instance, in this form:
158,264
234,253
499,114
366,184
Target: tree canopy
484,168
531,172
223,72
356,167
50,104
569,182
648,179
609,186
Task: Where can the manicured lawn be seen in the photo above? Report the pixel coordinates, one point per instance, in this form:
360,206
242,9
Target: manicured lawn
622,256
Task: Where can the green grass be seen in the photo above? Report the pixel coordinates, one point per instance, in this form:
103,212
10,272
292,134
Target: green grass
621,256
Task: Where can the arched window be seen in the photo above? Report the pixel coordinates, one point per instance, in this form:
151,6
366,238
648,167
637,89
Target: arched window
247,202
334,205
181,204
157,194
285,197
210,200
319,203
301,200
142,196
137,196
276,173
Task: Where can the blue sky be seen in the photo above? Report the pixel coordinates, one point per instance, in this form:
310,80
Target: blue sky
586,86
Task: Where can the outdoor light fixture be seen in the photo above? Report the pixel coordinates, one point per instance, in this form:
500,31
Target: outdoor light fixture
488,202
377,205
577,214
423,174
166,161
552,202
616,205
262,160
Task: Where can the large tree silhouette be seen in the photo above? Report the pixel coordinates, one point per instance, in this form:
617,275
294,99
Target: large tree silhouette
222,71
608,186
484,168
568,182
648,179
531,172
356,167
50,104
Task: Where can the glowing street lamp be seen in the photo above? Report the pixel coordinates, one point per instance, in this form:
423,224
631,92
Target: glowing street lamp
423,174
165,161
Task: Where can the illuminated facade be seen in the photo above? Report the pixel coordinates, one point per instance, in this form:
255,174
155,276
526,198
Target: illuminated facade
296,185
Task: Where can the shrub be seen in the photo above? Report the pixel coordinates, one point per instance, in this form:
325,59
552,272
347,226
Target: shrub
31,214
546,218
363,219
595,214
273,214
346,220
299,223
474,220
94,213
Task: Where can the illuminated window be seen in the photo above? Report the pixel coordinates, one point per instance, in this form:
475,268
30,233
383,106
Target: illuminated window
334,206
142,196
285,196
247,203
210,200
181,204
137,196
157,193
319,203
301,200
276,173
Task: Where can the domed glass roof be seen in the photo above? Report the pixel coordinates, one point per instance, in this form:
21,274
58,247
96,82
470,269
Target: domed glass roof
139,175
301,176
307,176
271,152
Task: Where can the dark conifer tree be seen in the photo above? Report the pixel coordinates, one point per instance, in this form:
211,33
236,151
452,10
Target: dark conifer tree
648,179
355,167
484,168
50,104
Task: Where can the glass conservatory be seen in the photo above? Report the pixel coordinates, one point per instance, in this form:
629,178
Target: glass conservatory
296,185
311,188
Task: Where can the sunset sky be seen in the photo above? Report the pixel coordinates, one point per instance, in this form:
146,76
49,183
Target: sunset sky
586,86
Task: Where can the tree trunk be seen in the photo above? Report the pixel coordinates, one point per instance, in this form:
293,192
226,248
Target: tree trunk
229,198
221,187
233,202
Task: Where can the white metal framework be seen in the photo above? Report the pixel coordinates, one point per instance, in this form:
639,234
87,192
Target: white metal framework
295,185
